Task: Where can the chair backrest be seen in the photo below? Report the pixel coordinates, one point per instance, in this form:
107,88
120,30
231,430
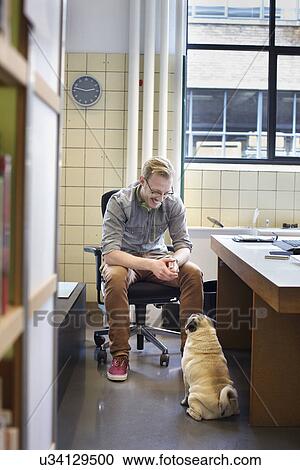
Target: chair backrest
105,198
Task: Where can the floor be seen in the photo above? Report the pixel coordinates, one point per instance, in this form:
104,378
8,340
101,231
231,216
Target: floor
145,412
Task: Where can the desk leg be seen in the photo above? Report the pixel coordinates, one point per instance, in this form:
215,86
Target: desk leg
275,367
234,309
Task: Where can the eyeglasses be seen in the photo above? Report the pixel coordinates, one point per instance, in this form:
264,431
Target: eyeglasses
158,193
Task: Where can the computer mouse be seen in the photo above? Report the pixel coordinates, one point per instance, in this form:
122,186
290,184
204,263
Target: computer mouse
296,251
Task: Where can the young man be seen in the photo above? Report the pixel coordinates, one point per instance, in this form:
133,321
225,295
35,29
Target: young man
133,246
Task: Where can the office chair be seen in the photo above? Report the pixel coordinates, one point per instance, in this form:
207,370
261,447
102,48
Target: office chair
140,294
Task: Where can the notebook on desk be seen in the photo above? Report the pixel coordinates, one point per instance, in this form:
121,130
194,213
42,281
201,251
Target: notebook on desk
292,246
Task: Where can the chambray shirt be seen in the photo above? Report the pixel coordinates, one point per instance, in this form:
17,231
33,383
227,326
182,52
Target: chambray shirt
130,226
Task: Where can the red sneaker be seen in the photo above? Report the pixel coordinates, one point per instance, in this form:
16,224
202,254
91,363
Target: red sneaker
118,370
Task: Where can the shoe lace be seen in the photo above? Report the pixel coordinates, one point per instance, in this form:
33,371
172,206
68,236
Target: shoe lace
120,361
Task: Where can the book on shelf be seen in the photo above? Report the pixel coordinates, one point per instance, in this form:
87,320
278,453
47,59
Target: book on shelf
5,176
5,18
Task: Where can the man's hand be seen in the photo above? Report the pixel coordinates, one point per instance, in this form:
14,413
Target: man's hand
160,268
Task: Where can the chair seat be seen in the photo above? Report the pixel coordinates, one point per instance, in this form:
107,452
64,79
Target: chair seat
144,293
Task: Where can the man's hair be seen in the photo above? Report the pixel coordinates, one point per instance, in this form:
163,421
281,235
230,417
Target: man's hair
159,166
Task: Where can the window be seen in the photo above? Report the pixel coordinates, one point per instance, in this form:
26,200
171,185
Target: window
243,92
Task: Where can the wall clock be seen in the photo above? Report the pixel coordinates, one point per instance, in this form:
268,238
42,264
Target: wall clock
86,90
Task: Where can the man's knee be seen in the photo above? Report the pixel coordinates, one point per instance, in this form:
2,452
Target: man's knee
192,272
115,276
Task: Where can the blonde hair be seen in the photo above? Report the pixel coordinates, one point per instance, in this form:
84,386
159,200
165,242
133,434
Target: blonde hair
158,165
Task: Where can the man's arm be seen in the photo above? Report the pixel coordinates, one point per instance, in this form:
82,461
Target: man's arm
159,267
182,255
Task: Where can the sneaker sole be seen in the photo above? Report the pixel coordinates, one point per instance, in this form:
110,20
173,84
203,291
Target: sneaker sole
116,378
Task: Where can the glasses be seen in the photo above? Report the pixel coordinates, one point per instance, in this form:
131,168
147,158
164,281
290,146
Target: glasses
158,193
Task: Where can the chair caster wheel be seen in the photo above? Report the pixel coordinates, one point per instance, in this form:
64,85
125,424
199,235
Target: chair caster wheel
99,339
102,357
164,359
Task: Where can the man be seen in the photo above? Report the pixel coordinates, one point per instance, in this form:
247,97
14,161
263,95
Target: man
133,246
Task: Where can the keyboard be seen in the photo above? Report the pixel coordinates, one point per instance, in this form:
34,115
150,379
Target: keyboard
293,243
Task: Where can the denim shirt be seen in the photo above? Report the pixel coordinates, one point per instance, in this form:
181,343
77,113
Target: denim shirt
130,226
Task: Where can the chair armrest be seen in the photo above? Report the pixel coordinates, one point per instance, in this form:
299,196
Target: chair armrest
96,250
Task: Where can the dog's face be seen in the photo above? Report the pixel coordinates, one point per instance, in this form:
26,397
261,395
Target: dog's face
196,321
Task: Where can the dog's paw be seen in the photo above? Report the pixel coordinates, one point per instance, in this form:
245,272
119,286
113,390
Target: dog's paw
193,414
185,402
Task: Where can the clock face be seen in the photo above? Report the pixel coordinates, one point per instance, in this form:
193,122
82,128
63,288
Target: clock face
86,90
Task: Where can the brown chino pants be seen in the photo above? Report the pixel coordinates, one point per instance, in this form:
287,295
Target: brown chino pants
118,279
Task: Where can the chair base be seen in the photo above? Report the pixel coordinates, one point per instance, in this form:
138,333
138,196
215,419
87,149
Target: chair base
141,332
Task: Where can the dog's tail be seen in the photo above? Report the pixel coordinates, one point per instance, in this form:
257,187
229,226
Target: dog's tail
228,401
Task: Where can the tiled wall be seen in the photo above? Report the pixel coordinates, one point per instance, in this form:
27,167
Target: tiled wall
232,195
94,156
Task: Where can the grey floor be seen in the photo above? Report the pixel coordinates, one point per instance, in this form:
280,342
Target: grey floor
145,412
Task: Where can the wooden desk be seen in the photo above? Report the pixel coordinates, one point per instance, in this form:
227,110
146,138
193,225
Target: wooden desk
258,306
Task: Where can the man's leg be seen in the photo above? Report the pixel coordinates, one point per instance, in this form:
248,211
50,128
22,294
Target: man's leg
117,307
190,279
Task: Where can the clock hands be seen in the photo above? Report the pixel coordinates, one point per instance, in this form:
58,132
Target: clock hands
84,89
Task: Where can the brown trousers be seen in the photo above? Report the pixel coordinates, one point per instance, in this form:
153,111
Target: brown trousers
118,279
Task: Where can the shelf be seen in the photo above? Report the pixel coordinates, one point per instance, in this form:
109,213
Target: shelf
46,94
11,326
13,66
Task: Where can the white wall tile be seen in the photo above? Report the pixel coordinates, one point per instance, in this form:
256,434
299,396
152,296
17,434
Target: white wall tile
96,62
211,179
192,179
92,234
74,177
74,196
229,199
74,235
266,180
211,198
285,181
94,158
229,179
74,215
94,177
193,217
75,157
74,272
74,254
229,217
266,199
192,198
248,199
285,200
248,180
95,138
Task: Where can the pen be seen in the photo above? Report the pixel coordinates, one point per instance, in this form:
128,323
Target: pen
276,257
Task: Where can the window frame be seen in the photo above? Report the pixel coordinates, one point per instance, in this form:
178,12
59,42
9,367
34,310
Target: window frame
274,51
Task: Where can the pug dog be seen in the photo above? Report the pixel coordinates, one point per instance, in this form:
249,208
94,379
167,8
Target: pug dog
209,391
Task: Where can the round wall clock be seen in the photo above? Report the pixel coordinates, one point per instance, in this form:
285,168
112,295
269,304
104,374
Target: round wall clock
86,90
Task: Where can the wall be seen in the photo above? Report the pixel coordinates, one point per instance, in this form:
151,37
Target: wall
94,156
231,194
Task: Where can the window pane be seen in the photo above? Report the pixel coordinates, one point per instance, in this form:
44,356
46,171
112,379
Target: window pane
298,112
207,108
241,111
288,114
228,22
237,79
284,111
206,146
287,23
